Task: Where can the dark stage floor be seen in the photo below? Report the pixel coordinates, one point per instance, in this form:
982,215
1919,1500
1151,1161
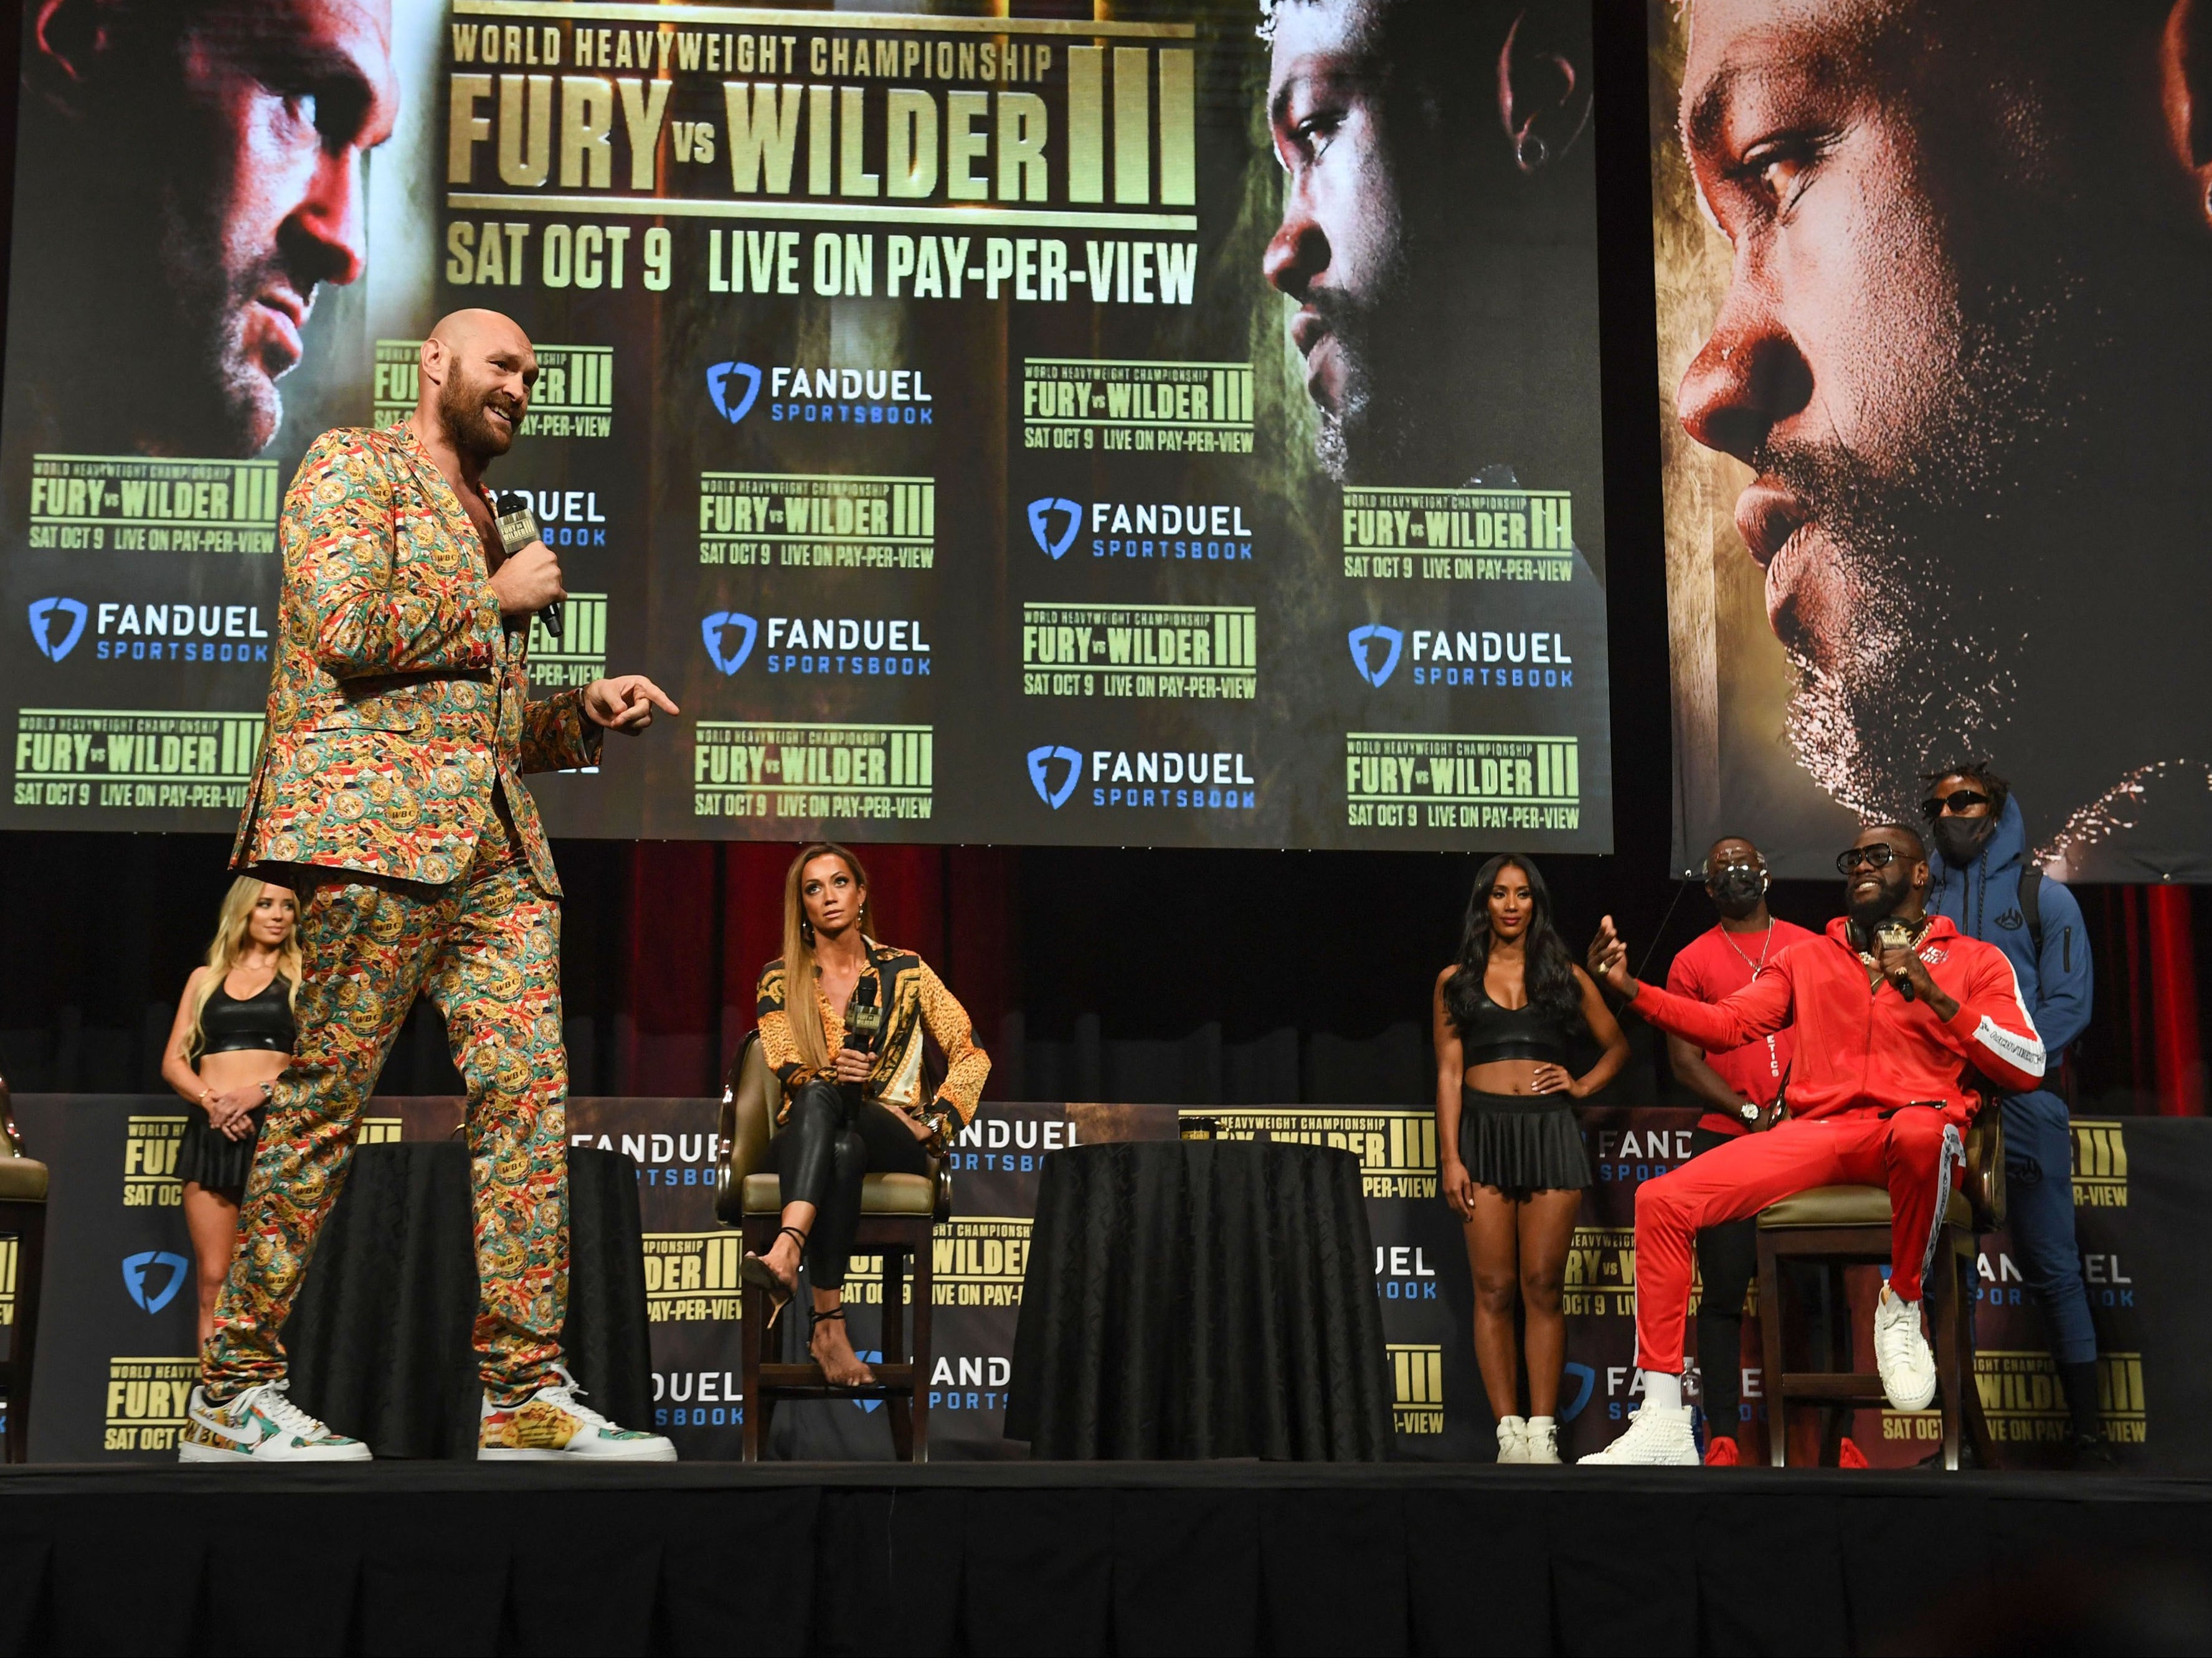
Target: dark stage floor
1217,1558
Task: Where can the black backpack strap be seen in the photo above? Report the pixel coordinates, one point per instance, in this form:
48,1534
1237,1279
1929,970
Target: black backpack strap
2031,909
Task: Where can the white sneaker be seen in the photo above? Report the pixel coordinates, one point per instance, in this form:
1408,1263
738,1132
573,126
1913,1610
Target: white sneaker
1512,1439
1541,1442
1656,1438
1901,1353
551,1426
259,1426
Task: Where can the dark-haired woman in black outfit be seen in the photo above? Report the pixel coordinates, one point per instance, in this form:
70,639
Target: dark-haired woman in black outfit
1511,1153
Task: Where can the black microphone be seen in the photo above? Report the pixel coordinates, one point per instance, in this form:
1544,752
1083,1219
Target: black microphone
517,528
1894,934
864,1022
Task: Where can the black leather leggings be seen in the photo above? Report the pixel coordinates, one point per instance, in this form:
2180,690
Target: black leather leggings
821,1151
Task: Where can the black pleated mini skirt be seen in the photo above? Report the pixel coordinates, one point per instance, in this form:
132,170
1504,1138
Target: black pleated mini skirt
215,1160
1522,1143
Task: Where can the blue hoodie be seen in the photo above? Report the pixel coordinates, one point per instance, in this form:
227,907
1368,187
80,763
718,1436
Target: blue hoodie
1982,901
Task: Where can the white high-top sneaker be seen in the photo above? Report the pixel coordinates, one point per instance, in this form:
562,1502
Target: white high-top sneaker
1541,1443
1901,1353
1657,1436
1512,1439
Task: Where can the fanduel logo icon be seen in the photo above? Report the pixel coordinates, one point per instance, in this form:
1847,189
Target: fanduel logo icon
850,396
1041,761
733,404
135,1269
42,629
714,631
1363,640
1040,510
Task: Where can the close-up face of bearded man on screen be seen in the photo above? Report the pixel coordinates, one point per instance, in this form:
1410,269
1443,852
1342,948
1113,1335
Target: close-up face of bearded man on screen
1966,352
195,171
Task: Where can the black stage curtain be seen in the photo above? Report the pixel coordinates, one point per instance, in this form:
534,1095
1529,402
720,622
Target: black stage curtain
1126,1558
1202,1299
381,1338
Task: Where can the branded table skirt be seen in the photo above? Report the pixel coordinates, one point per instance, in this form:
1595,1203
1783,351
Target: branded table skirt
380,1339
1189,1299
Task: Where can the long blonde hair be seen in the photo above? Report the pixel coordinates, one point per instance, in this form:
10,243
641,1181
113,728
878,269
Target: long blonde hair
231,929
800,973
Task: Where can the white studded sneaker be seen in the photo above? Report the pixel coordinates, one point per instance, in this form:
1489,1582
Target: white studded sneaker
259,1426
1901,1353
1541,1440
552,1426
1512,1440
1656,1438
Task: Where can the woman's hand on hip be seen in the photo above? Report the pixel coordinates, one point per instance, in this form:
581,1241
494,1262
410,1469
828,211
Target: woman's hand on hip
1552,1079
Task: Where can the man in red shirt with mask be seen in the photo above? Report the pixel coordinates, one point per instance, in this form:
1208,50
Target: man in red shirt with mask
1738,1088
1881,1088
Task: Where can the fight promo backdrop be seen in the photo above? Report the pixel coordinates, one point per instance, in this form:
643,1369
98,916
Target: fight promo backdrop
115,1357
988,427
1931,379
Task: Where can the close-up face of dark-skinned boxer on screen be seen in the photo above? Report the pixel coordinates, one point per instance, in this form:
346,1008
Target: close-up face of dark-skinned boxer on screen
1425,150
199,168
1963,349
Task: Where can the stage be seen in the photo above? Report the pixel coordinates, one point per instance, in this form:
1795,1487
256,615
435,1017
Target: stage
1216,1557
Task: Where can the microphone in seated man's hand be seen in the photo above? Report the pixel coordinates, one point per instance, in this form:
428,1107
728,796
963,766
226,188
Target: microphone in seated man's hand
1894,934
517,528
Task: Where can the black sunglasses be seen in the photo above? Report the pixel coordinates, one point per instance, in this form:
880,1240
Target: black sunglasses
1879,855
1959,800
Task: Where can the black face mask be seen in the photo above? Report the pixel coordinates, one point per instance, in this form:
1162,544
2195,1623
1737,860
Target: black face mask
1961,840
1736,889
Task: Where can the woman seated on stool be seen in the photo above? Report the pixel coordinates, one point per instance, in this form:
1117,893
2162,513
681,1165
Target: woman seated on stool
841,1019
1510,1150
231,1040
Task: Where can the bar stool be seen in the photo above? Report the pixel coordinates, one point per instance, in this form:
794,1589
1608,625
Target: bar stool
1836,1226
898,1214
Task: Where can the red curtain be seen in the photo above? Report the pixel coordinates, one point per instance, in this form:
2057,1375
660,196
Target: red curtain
2144,1047
703,917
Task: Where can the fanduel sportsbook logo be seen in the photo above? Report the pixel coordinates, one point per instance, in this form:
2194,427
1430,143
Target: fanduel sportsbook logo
714,631
733,402
1192,532
1363,640
1161,780
1042,761
43,611
135,1269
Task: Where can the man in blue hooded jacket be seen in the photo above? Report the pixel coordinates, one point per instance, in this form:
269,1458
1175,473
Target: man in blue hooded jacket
1982,881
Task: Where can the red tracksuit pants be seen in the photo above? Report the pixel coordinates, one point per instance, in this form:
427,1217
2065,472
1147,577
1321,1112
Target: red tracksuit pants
1916,1152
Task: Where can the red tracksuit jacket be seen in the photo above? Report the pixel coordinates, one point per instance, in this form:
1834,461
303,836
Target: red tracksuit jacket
1862,1050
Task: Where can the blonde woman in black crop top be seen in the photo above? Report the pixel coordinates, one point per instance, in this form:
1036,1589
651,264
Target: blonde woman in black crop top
231,1040
1509,1148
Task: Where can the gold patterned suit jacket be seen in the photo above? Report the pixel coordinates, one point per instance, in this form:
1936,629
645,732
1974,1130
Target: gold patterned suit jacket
397,701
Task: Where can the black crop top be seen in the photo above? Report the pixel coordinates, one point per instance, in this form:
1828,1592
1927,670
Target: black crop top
228,1024
1509,1033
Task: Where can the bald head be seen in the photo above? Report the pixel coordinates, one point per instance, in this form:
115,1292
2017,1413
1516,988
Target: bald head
478,370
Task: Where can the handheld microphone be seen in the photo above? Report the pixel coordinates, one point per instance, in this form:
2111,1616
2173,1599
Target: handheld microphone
517,528
863,1020
1893,934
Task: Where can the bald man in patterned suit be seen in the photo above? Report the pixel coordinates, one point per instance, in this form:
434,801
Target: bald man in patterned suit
390,796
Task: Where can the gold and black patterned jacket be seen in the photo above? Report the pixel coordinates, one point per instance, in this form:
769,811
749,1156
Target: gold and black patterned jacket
913,1000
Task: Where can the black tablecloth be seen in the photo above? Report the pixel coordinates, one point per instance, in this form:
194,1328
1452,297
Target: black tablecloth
1201,1299
380,1338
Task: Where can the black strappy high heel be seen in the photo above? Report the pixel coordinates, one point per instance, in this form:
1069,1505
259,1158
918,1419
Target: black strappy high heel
754,1270
823,1315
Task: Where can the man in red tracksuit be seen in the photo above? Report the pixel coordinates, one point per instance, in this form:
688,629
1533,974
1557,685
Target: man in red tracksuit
1881,1092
